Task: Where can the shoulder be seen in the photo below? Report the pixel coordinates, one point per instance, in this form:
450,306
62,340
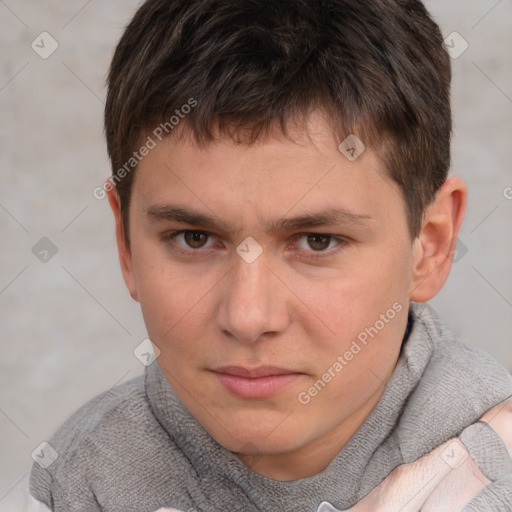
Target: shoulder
125,403
95,444
457,368
499,418
457,386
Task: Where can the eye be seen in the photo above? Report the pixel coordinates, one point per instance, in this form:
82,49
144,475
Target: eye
320,243
316,245
190,239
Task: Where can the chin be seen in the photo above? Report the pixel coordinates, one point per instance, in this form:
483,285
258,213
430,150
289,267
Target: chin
252,438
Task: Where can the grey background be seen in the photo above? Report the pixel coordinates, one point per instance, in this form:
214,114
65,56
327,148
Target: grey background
69,327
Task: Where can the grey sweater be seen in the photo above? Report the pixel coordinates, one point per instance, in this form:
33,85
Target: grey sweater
136,447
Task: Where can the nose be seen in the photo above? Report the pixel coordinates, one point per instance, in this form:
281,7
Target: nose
254,301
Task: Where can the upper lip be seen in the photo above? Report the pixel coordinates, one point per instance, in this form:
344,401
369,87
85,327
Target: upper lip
259,371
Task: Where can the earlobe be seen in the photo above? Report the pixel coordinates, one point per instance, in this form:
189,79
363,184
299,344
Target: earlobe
434,247
124,252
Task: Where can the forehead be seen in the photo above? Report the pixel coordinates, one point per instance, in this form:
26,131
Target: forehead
306,174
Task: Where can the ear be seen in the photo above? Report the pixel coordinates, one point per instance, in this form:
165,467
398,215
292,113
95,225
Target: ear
125,255
434,248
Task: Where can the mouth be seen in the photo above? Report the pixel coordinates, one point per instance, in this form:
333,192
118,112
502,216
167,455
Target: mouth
255,383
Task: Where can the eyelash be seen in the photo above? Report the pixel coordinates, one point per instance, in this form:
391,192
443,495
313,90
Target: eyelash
170,237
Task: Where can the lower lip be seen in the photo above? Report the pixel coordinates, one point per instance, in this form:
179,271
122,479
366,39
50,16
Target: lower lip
256,387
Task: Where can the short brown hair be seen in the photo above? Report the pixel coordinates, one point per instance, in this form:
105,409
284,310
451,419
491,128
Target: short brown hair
378,68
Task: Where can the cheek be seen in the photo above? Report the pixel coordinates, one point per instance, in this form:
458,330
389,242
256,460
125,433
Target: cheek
363,313
356,365
353,300
172,301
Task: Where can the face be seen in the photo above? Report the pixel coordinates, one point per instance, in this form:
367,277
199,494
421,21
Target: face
274,278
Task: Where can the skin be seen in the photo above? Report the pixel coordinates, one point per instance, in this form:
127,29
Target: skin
207,307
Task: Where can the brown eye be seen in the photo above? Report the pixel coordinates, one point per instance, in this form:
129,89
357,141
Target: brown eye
189,242
318,242
195,239
320,245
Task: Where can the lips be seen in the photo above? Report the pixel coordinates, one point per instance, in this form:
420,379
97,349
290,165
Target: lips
255,383
259,371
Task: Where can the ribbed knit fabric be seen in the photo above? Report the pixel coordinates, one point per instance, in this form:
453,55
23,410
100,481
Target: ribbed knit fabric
136,448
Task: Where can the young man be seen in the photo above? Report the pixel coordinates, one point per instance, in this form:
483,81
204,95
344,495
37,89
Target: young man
283,213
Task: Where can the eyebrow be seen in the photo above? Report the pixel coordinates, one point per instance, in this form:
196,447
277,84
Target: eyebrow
329,216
